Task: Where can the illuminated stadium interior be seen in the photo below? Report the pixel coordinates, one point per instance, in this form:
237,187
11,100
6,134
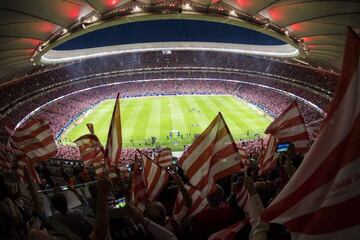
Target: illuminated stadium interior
214,83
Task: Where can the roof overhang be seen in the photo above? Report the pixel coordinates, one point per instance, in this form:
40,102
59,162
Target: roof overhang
47,55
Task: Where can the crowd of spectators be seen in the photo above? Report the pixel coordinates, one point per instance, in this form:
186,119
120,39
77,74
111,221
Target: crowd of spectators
83,206
181,64
325,80
182,72
63,112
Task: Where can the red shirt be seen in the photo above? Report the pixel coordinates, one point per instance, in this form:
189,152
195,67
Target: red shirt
210,221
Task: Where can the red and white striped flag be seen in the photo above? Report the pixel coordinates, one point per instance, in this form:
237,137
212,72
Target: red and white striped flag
114,141
230,232
313,132
199,202
242,153
34,139
90,148
212,156
321,201
124,171
290,127
244,156
91,152
155,177
138,189
23,163
267,159
164,157
242,196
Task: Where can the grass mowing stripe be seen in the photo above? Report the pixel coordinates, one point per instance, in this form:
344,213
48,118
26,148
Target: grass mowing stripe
154,125
250,121
185,108
177,116
237,127
166,119
254,117
205,109
200,118
131,125
157,116
142,121
191,122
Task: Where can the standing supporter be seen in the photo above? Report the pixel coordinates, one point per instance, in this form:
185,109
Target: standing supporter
215,217
109,223
157,212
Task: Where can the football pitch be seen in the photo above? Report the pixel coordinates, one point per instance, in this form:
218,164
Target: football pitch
173,120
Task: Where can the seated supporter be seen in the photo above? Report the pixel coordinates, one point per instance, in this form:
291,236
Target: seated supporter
74,220
12,223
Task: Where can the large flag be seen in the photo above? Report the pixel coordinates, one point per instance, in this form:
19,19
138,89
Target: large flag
244,157
138,189
23,163
290,127
321,201
267,159
114,141
230,232
90,148
164,157
124,170
155,177
34,139
242,196
91,152
212,156
198,201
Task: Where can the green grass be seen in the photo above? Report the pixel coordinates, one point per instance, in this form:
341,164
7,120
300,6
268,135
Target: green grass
143,118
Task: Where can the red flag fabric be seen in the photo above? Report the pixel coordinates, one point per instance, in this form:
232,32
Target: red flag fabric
91,152
212,156
23,163
199,202
242,196
114,141
164,157
138,193
267,160
244,157
34,139
243,154
290,127
155,177
321,200
230,232
124,171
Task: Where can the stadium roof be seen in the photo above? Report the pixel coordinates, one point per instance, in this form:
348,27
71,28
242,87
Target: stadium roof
30,28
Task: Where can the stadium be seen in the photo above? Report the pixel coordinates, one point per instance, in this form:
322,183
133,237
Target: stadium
179,119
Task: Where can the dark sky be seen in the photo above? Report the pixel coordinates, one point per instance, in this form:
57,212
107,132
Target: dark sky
168,31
